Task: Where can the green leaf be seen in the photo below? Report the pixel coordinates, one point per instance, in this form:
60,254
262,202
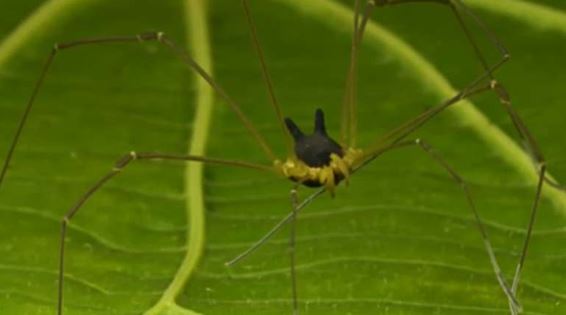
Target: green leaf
399,239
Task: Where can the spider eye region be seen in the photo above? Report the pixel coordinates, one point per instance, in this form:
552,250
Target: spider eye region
319,160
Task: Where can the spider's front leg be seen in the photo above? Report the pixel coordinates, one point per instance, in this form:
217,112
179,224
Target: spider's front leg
158,37
120,165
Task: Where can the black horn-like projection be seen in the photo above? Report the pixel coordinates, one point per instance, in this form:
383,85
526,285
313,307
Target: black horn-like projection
314,149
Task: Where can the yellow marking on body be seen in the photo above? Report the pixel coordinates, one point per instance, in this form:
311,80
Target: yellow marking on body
338,168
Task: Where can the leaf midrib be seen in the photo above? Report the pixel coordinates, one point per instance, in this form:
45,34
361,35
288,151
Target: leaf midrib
199,44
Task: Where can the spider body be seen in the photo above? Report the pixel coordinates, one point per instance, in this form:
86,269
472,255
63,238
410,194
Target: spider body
315,149
319,160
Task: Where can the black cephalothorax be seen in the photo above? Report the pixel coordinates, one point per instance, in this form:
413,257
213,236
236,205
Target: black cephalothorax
321,155
314,149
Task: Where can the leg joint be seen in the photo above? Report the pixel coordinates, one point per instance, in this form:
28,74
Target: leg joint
125,160
160,36
421,143
147,36
541,165
501,91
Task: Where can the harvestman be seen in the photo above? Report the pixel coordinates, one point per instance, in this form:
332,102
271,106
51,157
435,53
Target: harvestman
316,160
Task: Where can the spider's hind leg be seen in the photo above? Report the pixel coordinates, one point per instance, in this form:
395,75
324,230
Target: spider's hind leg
527,139
428,150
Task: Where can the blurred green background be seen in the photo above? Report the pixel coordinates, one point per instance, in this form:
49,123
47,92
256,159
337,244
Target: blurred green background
398,240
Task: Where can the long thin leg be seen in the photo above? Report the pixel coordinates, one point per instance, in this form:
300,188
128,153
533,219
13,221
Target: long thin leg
534,208
292,245
349,96
398,134
408,127
348,125
375,154
528,140
483,232
153,36
535,153
124,161
455,6
266,76
275,228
